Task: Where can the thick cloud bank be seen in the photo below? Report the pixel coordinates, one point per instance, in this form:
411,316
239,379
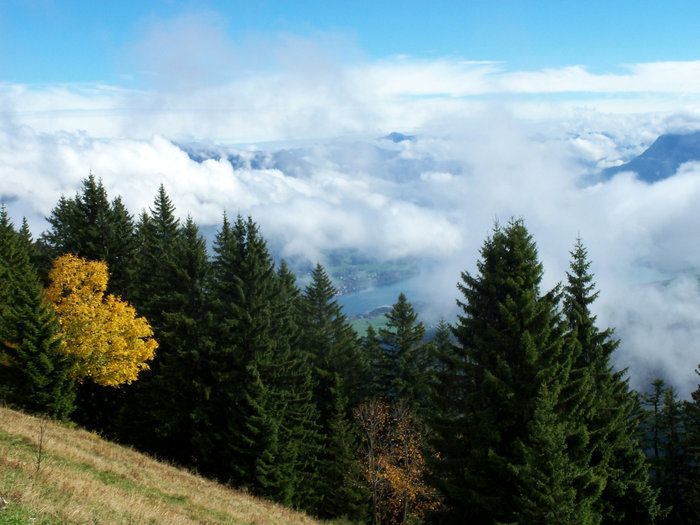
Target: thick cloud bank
434,198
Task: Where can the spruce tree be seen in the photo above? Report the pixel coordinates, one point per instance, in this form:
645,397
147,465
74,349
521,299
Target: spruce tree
374,363
333,346
253,431
88,226
677,462
618,485
171,393
405,353
442,344
243,412
691,445
340,491
301,433
493,398
156,264
34,372
548,473
663,435
331,341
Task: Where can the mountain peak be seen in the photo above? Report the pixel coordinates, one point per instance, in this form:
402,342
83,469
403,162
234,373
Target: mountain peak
663,158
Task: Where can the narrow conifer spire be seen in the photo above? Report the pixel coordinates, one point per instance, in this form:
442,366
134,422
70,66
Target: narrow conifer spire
602,402
498,403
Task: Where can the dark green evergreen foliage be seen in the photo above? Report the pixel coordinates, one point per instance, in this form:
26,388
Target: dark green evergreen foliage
332,342
34,249
692,451
254,381
341,491
301,432
37,378
339,381
663,429
652,427
677,464
628,496
548,475
121,249
34,372
258,429
443,347
89,226
159,412
183,375
510,352
405,355
374,364
155,278
601,399
167,398
156,265
149,267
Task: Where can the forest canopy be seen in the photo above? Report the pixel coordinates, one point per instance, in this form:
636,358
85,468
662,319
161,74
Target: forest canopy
512,412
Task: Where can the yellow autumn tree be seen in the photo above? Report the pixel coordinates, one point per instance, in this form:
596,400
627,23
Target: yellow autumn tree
110,342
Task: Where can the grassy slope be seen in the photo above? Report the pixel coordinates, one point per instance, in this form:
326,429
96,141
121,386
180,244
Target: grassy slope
361,324
85,479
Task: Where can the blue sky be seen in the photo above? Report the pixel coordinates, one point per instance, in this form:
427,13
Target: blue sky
44,41
252,72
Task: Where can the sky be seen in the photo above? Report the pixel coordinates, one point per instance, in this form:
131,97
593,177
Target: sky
515,107
46,41
251,72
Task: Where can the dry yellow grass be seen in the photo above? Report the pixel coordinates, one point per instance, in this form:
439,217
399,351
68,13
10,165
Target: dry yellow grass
85,479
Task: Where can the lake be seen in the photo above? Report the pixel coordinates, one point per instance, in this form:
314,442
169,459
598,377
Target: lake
365,301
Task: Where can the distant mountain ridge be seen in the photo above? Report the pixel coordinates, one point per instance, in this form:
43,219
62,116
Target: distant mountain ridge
663,158
397,137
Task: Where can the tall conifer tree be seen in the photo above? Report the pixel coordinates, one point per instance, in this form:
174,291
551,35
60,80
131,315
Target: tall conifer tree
495,393
88,226
253,426
170,395
691,445
330,339
663,432
406,354
374,363
620,485
301,432
156,264
34,372
333,346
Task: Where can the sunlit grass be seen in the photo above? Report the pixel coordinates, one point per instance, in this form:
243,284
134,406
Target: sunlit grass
85,479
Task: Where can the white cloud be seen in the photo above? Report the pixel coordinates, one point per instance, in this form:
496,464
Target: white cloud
492,143
434,198
295,89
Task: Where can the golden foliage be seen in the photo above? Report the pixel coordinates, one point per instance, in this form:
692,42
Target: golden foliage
110,343
393,448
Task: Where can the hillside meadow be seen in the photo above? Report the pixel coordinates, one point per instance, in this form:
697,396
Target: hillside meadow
50,473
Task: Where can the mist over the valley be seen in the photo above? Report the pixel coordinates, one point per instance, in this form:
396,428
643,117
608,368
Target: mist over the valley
433,197
294,132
